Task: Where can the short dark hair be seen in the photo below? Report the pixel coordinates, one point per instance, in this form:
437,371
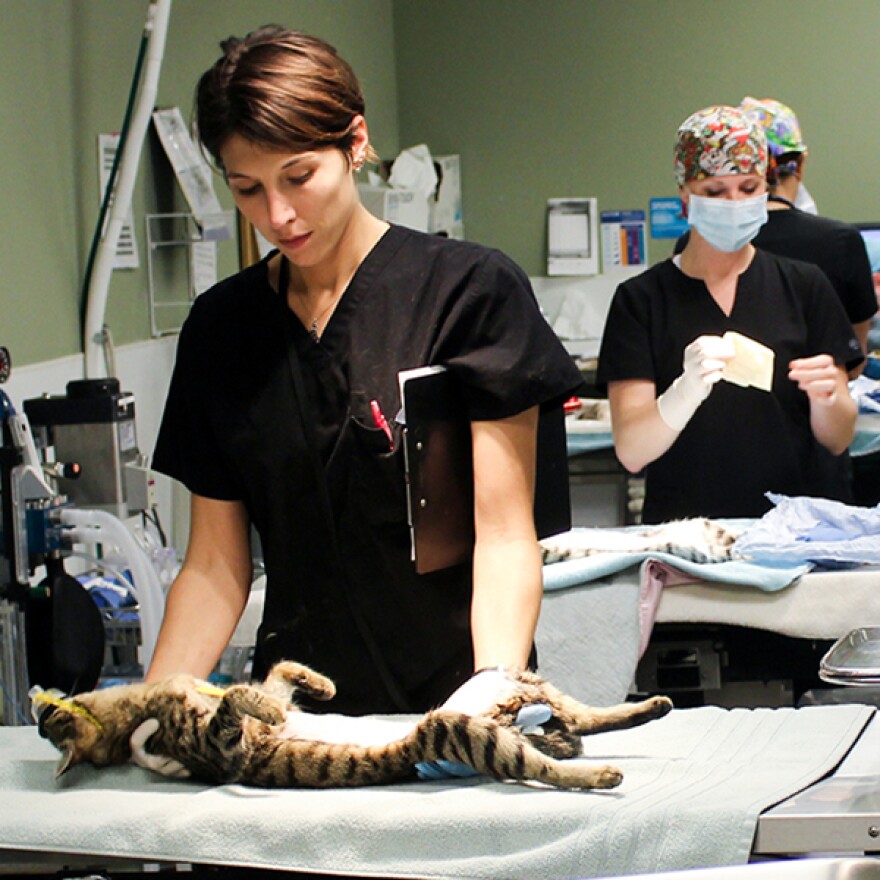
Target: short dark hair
279,89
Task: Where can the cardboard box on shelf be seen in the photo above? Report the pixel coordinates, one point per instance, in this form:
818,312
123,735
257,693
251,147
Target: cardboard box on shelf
405,207
445,207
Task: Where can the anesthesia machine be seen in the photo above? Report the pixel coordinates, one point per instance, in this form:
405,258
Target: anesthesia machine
70,473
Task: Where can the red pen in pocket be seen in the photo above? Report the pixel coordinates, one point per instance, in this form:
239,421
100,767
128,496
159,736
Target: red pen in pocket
382,423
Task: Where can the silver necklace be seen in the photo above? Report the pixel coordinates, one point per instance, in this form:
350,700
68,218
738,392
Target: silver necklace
314,332
315,323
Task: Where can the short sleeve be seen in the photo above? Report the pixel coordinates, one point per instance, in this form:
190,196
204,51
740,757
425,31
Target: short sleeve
829,328
861,299
625,350
500,346
188,448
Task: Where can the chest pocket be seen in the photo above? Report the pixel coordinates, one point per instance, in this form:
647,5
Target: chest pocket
376,475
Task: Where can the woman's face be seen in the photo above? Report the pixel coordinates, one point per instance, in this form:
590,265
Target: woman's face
301,203
726,186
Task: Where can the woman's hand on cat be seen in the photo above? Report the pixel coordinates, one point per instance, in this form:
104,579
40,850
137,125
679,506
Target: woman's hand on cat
477,695
161,764
481,692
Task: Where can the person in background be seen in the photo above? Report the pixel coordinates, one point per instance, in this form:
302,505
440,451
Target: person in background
835,247
281,411
874,332
866,468
711,447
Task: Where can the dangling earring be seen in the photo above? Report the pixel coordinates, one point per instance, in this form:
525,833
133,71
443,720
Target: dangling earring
358,163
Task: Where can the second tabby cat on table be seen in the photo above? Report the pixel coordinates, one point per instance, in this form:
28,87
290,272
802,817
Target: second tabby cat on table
247,733
696,539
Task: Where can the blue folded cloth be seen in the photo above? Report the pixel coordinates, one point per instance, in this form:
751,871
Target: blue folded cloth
865,390
815,530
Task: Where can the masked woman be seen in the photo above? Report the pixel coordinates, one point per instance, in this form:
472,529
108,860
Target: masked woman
709,446
286,376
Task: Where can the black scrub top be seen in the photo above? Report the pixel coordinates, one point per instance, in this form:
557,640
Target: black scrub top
342,594
835,247
741,442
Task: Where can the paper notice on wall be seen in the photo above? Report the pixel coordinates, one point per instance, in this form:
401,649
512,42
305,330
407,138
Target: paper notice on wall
572,237
126,256
193,174
623,239
203,265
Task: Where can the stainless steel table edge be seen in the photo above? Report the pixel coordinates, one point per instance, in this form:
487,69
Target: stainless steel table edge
838,815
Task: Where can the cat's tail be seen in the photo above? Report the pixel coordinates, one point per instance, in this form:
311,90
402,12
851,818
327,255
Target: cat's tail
501,752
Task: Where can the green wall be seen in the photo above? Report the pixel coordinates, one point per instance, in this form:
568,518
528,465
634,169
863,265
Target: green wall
65,71
540,99
583,97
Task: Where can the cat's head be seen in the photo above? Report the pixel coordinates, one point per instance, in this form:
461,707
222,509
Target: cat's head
80,728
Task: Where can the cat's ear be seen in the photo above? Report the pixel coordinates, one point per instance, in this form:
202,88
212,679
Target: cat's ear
65,762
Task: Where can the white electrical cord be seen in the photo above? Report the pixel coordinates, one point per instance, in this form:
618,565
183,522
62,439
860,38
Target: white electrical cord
101,527
96,305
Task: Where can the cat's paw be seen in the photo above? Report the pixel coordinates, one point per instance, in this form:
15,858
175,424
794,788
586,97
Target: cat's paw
657,707
607,777
580,775
299,677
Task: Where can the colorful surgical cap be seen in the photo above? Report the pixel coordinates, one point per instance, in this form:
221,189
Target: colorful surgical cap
719,140
779,123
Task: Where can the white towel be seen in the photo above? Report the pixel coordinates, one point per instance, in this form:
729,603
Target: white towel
695,783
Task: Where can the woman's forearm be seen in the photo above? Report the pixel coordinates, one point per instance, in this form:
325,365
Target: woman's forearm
200,616
210,592
640,434
834,424
506,602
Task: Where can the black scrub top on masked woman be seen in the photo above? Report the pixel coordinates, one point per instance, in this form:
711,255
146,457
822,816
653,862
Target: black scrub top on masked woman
742,442
342,594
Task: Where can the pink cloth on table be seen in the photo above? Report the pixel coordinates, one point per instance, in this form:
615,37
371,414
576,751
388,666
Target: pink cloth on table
655,575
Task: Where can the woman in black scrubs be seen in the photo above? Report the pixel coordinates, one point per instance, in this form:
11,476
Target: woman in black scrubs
711,447
272,421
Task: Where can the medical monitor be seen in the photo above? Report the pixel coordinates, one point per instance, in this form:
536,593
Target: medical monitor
871,236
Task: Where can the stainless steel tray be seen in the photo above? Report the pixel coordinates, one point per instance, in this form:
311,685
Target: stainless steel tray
854,659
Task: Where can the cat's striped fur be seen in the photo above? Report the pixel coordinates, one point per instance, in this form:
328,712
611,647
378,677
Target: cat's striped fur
238,736
696,539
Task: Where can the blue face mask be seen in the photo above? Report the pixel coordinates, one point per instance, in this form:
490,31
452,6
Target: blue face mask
727,224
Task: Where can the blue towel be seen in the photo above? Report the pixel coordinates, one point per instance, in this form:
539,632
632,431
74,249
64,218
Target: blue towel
770,577
813,530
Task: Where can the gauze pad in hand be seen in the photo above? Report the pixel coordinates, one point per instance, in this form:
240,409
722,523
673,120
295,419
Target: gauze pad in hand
752,365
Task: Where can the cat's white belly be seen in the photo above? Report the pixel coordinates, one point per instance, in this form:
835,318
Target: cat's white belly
346,729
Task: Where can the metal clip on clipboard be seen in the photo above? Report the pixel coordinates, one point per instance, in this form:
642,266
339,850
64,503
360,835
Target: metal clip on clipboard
439,470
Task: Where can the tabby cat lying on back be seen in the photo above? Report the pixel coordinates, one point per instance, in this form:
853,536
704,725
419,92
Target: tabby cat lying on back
696,539
239,735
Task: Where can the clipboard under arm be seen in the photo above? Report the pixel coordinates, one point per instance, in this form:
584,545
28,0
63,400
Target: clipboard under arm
439,470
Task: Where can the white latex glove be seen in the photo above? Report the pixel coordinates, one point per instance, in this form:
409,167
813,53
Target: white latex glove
704,359
481,692
157,763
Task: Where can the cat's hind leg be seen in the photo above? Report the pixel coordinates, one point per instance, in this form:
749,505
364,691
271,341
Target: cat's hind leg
582,719
571,718
244,699
286,677
501,752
